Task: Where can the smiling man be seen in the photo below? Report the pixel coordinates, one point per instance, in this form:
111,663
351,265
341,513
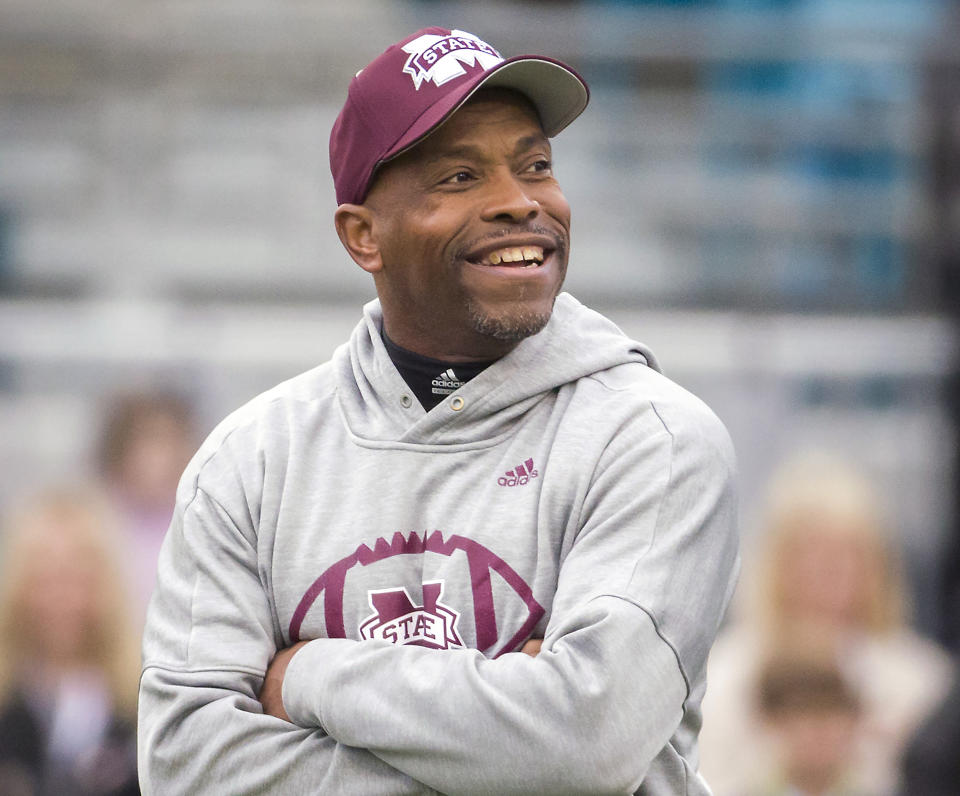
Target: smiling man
360,556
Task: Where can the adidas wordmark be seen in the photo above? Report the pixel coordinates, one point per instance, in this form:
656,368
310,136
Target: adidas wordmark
519,475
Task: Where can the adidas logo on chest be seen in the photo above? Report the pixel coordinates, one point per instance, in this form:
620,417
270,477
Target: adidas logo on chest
519,475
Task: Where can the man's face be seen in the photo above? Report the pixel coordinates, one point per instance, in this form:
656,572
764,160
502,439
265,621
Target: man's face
473,232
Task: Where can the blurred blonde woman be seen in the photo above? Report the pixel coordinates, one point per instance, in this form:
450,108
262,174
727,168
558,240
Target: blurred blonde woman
825,575
68,660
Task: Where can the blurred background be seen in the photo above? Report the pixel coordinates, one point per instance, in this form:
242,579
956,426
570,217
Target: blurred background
767,192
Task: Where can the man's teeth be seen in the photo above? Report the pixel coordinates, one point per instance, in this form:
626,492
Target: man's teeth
517,254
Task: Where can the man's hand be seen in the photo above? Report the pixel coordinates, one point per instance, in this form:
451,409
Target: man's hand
271,694
532,647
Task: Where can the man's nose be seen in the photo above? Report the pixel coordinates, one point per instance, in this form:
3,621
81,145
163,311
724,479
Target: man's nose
510,200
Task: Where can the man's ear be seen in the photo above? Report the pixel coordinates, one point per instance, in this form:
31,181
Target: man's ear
355,227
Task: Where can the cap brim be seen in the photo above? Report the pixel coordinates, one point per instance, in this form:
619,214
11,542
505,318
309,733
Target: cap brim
557,92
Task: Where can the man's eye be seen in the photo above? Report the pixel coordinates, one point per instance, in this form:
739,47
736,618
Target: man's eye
459,177
541,166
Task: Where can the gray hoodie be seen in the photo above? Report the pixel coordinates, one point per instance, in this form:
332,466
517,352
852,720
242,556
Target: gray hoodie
569,492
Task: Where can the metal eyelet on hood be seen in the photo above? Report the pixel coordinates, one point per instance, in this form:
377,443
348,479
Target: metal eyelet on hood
406,401
456,403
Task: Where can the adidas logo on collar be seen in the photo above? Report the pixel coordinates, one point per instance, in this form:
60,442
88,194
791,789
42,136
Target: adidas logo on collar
519,475
446,383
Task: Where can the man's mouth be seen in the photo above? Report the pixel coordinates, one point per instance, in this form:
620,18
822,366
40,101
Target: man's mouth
515,256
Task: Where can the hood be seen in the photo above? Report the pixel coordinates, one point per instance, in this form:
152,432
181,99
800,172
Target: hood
576,342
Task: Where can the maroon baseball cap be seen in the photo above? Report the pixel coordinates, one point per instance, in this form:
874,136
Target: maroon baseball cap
416,84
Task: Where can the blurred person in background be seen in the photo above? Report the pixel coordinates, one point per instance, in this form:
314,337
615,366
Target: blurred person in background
147,440
812,714
931,764
68,658
825,572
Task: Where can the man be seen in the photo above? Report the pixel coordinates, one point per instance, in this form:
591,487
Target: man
359,555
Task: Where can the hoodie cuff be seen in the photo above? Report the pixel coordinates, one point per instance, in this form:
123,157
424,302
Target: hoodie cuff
306,680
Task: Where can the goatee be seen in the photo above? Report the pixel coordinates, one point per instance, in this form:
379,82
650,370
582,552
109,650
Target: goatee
508,327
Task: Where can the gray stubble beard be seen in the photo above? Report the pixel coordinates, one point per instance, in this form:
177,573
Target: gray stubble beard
509,327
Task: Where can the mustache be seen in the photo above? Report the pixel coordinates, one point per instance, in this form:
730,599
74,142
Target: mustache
559,241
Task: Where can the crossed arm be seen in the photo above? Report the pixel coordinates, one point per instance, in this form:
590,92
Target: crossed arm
271,694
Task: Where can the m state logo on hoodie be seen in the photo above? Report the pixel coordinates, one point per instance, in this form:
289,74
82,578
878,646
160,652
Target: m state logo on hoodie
439,59
499,627
397,620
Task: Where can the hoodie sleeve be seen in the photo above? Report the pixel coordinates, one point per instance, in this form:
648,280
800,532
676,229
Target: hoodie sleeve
208,640
639,600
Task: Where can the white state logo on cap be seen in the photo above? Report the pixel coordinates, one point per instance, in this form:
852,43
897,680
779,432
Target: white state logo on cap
440,58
